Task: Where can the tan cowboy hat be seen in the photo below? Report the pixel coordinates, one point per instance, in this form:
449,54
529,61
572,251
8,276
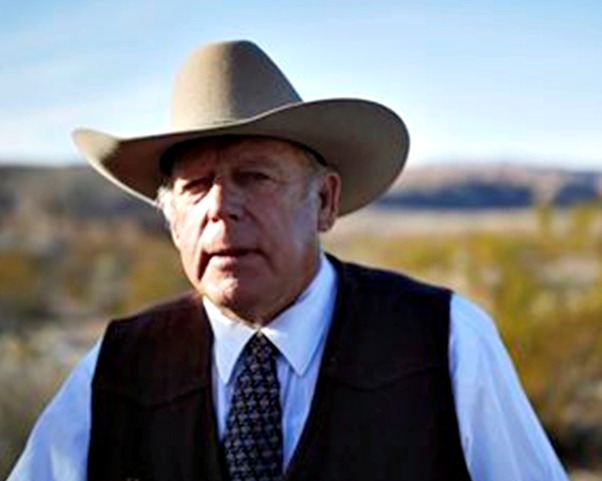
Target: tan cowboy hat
234,88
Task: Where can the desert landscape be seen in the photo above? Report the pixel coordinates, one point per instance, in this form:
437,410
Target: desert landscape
524,243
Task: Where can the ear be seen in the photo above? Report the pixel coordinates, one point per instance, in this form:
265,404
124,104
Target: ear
328,195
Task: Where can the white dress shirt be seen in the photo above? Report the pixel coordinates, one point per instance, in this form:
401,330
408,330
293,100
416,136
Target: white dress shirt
502,439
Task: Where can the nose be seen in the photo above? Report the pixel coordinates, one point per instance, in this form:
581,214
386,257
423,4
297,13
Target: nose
223,202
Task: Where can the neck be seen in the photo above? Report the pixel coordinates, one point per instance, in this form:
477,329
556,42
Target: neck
258,314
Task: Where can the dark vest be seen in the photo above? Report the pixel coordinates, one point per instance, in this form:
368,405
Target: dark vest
382,410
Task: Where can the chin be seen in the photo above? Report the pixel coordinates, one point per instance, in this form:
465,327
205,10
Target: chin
234,296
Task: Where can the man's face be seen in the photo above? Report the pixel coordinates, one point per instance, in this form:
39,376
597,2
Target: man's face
247,214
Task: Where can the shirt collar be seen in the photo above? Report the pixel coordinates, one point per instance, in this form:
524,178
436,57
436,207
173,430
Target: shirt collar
296,332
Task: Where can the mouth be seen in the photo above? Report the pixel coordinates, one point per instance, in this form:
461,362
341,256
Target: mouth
230,256
231,252
224,257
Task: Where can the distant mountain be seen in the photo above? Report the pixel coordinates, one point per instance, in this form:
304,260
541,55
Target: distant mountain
37,194
501,186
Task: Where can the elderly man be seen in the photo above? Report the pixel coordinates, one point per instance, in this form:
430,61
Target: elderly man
283,363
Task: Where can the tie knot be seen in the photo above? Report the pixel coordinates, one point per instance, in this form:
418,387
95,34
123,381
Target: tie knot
261,348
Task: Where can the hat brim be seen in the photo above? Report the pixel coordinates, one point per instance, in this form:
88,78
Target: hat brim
365,142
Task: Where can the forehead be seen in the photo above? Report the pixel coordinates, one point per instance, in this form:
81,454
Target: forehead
236,150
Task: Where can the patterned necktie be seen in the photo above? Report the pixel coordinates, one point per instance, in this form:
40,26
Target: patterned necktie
253,438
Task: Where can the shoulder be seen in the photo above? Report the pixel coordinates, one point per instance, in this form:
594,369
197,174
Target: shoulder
383,280
479,361
155,322
385,308
158,326
471,321
396,301
161,312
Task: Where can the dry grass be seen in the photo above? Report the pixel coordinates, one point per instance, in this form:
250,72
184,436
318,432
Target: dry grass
538,272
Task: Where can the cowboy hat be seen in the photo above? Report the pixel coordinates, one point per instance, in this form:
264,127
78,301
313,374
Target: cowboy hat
234,88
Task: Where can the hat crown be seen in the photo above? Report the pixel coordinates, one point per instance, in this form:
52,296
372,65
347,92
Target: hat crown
225,82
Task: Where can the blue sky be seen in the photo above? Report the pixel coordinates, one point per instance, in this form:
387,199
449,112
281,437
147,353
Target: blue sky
482,81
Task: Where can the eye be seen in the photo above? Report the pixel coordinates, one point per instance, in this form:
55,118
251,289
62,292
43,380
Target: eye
198,185
253,177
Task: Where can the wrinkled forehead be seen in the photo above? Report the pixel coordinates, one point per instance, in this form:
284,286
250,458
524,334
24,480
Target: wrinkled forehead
214,149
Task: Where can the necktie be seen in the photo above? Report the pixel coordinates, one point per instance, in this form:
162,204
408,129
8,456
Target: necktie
253,437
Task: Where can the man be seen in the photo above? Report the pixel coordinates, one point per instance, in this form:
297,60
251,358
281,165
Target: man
284,363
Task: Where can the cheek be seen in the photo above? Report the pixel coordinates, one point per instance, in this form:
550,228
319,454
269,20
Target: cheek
186,236
294,234
188,230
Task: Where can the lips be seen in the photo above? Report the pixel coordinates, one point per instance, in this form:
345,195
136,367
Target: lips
231,256
231,252
220,255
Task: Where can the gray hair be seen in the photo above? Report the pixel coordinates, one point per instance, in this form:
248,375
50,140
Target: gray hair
165,201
